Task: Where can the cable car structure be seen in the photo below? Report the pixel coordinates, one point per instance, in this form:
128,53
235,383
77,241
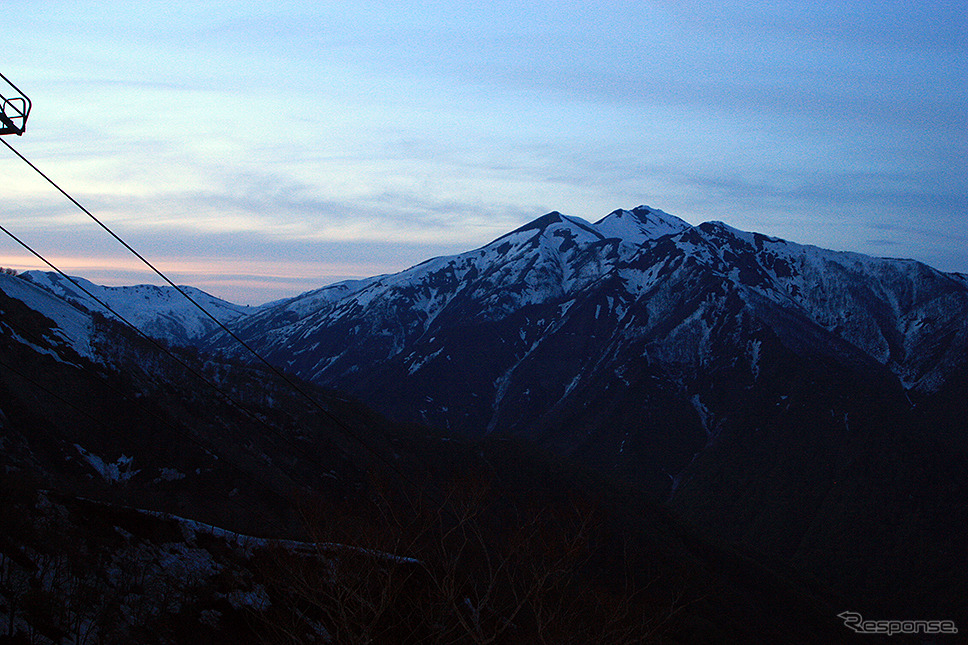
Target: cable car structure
14,110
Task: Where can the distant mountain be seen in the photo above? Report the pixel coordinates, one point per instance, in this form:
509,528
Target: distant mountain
160,312
805,402
89,406
636,334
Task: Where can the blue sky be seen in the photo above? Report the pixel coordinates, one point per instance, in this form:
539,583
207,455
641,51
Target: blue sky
257,150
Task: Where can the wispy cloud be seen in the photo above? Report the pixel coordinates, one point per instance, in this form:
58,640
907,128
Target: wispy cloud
283,129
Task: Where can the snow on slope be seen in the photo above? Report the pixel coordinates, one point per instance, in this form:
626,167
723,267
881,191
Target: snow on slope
544,259
312,300
549,257
894,310
73,326
160,312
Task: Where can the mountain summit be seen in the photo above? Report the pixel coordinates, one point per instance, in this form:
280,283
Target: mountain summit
639,225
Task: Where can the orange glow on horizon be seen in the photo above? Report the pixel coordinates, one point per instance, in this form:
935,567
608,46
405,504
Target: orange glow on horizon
243,281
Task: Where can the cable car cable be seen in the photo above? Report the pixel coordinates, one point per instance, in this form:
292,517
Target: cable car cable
301,391
197,374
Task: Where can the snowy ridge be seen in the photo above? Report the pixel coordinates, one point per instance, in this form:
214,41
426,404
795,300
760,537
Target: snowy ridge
566,260
883,306
161,312
312,300
190,528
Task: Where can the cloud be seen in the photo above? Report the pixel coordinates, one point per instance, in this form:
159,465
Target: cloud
377,135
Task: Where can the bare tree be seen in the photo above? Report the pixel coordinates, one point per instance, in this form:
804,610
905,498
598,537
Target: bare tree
466,566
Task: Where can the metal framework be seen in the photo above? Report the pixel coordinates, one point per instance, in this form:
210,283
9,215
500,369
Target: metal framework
15,109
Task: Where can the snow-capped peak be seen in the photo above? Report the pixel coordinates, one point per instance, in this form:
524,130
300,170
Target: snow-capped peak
632,228
639,225
550,223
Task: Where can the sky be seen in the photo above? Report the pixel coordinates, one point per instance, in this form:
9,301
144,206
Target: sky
258,150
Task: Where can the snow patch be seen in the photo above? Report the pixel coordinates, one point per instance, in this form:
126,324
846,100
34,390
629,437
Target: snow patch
73,326
257,598
416,365
116,472
753,347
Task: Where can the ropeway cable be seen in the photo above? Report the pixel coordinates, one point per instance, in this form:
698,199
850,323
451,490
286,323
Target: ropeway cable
165,350
279,373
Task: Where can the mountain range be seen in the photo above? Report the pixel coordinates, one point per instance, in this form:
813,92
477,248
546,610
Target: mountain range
802,403
638,339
